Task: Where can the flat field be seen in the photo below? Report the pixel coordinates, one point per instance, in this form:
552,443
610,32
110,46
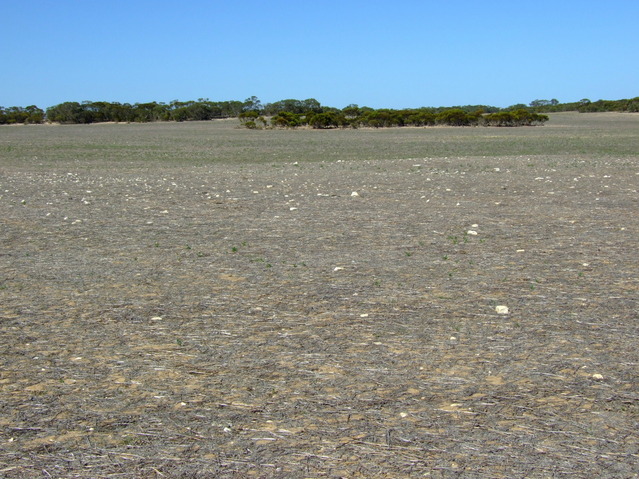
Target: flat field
197,300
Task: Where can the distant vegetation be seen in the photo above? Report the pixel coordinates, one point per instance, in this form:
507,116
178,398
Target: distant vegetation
96,112
355,117
18,114
308,113
586,106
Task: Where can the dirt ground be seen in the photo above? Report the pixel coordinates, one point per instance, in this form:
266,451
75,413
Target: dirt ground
326,319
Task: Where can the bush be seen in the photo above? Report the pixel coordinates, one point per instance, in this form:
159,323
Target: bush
286,119
327,120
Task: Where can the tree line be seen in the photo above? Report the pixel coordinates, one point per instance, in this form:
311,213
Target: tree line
356,117
586,106
293,113
100,111
18,114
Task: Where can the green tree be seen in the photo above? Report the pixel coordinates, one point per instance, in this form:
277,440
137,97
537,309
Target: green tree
252,104
539,103
67,112
250,115
35,114
351,111
326,120
454,117
311,105
286,119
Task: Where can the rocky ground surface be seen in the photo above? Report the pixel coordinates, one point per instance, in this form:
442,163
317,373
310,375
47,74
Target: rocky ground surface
449,317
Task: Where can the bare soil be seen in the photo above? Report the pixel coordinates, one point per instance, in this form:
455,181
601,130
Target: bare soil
262,320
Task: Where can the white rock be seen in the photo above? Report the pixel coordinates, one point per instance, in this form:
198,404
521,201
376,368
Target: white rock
597,377
501,309
472,232
354,193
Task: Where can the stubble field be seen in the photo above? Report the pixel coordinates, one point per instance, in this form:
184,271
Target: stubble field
196,300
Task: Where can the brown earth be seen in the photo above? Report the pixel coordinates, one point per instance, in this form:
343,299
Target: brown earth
260,320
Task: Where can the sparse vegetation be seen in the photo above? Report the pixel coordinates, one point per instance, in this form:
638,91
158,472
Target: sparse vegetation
474,315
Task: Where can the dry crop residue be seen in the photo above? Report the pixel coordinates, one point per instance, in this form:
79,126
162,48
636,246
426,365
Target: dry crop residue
261,321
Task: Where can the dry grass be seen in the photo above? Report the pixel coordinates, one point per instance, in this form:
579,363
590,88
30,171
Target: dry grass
187,313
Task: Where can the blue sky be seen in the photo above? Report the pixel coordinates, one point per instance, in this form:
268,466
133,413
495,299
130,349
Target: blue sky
394,54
